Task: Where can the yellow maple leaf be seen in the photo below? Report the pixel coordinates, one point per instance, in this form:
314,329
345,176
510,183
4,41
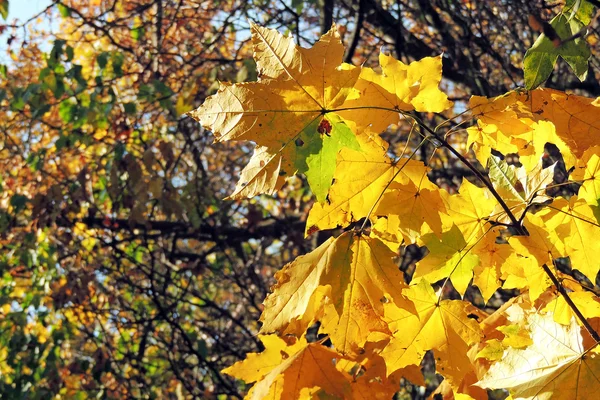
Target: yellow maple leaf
575,224
468,209
355,273
449,257
318,71
369,378
588,172
519,187
515,336
284,112
524,272
418,207
360,180
276,351
378,97
297,113
443,326
541,244
541,247
586,302
497,122
555,365
295,369
575,117
492,351
492,257
291,372
387,229
518,122
260,175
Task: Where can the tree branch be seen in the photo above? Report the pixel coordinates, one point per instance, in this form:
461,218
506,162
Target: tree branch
326,15
572,305
360,13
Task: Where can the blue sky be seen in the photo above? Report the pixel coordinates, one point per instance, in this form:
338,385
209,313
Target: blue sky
25,9
22,10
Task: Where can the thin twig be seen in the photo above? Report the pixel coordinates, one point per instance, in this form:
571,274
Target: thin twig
356,33
571,304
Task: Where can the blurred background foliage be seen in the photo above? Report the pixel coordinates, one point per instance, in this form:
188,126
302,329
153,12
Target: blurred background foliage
123,272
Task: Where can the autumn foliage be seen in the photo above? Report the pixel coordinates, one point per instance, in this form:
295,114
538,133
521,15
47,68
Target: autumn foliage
299,199
310,113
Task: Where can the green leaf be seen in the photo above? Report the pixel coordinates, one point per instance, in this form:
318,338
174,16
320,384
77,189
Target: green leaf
145,92
70,53
3,70
17,104
35,161
581,9
64,11
298,5
317,153
130,108
55,83
18,201
57,51
541,58
67,111
161,88
4,9
102,59
137,33
117,63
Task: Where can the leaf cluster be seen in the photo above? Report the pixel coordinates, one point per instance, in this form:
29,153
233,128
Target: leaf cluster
509,229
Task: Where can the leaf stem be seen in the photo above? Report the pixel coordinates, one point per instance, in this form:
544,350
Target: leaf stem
571,304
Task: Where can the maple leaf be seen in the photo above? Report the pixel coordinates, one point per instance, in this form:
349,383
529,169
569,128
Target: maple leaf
588,172
515,118
361,178
296,369
515,336
377,98
541,244
555,366
370,380
519,187
492,351
285,371
469,210
387,229
524,272
284,112
586,302
449,257
540,59
492,256
418,207
576,225
276,350
443,326
355,273
498,123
